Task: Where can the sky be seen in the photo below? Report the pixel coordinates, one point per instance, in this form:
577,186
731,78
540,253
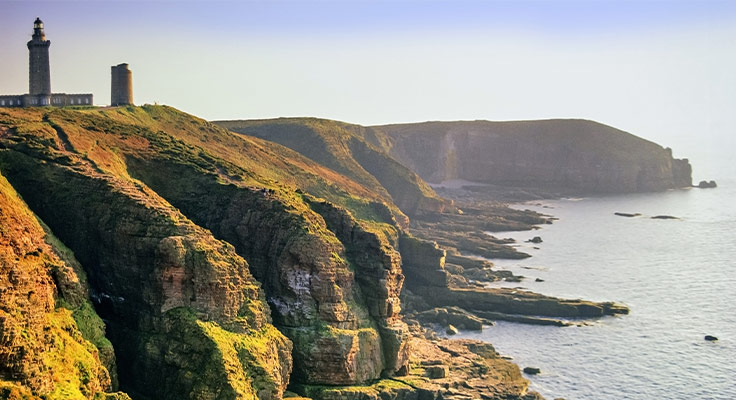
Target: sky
663,70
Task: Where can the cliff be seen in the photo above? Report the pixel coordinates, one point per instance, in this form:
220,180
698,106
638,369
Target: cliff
162,210
225,266
185,316
566,155
350,150
52,342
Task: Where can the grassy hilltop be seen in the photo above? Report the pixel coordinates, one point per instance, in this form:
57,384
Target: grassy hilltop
350,150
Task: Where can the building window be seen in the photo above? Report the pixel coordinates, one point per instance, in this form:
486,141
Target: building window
2,102
86,101
11,102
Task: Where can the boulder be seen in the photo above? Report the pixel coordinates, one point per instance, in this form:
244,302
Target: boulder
451,330
710,338
531,370
535,239
707,185
437,371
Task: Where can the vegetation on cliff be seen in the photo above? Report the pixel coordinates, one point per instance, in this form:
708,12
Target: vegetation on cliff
226,266
346,149
146,261
52,343
186,317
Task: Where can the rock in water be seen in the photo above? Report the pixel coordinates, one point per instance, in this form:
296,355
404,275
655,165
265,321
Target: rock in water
707,185
664,217
532,370
620,214
710,338
535,239
451,330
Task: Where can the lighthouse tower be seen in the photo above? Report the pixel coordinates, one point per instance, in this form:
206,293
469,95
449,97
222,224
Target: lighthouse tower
39,73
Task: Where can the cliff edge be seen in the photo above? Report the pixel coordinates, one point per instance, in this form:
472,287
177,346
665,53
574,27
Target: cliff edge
572,155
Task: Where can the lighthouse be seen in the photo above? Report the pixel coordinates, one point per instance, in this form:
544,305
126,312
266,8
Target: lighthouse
39,74
39,79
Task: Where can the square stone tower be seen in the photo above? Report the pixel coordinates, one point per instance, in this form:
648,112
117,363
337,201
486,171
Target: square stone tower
122,86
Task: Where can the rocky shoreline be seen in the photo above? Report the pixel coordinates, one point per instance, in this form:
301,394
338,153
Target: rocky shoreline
447,283
446,289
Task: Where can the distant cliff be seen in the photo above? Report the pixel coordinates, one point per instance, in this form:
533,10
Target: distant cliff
575,155
346,149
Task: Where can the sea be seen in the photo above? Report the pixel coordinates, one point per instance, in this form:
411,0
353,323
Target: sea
677,276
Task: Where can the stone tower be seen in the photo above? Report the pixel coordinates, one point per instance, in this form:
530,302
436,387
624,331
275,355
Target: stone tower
122,86
39,73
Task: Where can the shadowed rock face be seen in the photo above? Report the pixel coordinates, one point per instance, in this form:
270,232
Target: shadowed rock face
576,155
344,321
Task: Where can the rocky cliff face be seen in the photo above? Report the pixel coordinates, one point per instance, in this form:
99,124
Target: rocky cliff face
162,210
185,316
571,155
52,343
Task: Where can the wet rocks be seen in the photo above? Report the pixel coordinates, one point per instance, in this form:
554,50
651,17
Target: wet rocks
512,301
664,217
628,215
710,338
531,370
451,316
707,185
535,239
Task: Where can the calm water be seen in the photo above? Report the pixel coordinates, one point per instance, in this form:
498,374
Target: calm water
677,276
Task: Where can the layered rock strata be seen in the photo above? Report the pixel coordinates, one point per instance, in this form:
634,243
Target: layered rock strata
424,266
52,343
185,316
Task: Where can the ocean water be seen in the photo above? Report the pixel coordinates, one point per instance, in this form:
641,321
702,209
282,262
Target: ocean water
677,276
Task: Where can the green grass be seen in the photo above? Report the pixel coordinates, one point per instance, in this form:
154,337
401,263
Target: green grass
346,149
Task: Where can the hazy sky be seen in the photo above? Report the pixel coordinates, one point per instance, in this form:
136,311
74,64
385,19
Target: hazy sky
664,70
